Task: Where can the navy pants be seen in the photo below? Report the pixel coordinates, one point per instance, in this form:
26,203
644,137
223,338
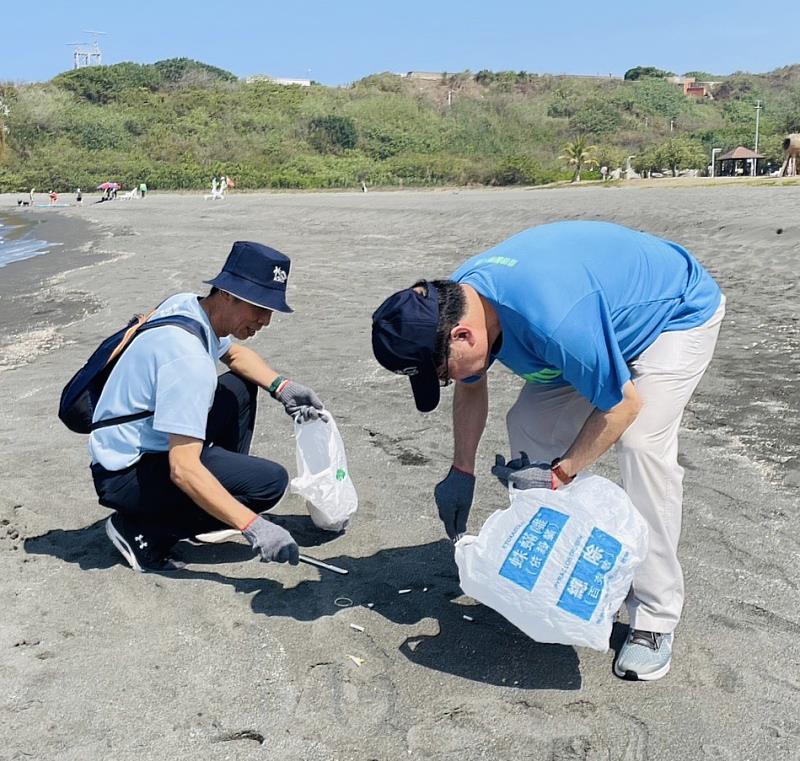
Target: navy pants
144,492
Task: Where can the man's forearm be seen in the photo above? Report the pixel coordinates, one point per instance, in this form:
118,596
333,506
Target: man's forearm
250,366
470,409
200,485
601,431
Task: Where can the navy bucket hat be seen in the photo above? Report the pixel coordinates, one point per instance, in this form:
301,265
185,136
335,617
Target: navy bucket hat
404,332
257,274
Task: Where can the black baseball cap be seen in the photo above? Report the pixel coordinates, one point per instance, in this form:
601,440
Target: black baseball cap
404,332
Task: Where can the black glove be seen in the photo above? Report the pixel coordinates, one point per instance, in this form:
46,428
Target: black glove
297,398
272,542
521,473
454,500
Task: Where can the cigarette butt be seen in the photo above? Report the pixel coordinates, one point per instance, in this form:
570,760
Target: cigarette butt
358,661
357,627
403,591
467,618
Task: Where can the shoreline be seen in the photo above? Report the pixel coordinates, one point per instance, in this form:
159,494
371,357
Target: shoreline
31,304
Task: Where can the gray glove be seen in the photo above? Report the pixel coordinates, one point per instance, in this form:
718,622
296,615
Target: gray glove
299,399
521,473
272,542
454,500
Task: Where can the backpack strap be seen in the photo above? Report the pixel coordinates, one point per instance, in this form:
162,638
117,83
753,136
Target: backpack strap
134,326
137,328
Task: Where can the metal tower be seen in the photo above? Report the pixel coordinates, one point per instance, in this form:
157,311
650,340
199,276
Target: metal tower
86,54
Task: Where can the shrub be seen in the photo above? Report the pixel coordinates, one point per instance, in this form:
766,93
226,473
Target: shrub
331,134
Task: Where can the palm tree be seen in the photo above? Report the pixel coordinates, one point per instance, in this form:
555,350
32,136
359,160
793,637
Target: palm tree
579,154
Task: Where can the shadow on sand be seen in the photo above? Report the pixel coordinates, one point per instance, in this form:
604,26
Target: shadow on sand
489,649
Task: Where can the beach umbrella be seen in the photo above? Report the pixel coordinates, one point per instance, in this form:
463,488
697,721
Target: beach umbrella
108,186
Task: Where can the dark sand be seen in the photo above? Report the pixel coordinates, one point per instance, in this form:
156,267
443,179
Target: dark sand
33,305
240,660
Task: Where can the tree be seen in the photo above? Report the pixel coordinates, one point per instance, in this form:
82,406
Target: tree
579,154
104,84
182,70
675,154
644,72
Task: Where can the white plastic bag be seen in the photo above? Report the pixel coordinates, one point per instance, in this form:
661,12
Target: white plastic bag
557,564
322,475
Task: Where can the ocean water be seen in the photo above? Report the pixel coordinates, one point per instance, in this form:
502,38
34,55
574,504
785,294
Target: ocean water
18,240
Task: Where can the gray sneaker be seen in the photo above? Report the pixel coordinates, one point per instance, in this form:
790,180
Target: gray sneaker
645,656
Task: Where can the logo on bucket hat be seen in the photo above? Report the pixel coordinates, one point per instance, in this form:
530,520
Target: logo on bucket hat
404,332
257,274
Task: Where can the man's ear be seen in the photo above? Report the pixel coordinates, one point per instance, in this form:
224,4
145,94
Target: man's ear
463,333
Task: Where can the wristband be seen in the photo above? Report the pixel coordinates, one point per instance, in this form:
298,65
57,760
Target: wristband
249,523
273,387
555,466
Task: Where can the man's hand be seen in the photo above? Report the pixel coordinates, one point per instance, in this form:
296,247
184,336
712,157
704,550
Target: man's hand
297,398
454,500
521,473
272,542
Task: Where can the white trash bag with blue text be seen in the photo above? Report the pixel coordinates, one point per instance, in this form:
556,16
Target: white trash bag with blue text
323,479
557,564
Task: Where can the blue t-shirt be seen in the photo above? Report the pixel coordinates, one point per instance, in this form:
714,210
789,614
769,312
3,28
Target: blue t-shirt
577,301
167,370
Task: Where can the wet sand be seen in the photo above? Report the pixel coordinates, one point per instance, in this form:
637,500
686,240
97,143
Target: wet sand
235,659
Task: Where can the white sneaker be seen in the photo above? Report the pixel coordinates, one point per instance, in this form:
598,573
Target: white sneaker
214,537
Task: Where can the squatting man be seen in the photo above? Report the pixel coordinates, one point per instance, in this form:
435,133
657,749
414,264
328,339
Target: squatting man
184,472
612,330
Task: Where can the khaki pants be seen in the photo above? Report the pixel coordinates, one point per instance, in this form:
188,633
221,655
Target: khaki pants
545,421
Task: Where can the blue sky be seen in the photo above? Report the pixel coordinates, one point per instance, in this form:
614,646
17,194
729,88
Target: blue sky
338,42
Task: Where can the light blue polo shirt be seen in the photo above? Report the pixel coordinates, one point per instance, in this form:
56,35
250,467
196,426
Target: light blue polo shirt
577,301
167,370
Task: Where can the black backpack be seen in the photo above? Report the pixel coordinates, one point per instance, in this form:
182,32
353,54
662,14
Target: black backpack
80,395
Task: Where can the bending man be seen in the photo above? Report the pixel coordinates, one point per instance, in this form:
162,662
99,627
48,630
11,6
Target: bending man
612,331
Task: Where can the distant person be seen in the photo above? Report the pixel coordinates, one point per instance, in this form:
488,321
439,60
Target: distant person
78,196
30,197
611,329
604,173
142,189
363,186
53,197
214,186
182,467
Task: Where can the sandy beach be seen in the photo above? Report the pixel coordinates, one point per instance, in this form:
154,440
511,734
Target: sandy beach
234,659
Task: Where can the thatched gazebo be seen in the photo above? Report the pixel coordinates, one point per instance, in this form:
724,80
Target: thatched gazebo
735,163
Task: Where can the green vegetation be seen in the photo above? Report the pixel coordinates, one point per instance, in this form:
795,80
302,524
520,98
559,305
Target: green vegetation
579,154
643,72
176,123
